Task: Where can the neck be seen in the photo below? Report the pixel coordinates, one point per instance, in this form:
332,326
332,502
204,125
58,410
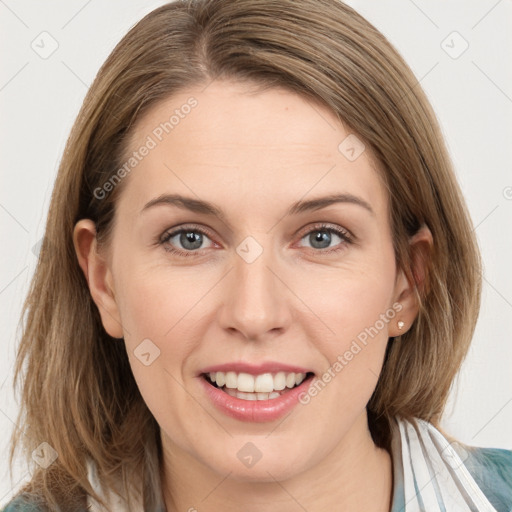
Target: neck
355,476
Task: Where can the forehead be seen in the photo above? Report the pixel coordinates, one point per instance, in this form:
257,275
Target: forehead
232,145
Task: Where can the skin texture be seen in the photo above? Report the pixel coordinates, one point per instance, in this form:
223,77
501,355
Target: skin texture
253,155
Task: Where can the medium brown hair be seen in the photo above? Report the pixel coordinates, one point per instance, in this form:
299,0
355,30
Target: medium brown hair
78,391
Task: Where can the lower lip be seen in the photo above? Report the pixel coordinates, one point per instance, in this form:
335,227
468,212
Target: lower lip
257,411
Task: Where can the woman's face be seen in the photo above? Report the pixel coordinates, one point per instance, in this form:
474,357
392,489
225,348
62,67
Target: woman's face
252,281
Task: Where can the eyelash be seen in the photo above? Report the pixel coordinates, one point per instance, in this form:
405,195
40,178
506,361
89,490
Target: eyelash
345,235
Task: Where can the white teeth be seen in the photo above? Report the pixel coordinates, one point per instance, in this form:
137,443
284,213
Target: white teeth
280,381
231,379
246,383
220,378
246,396
256,387
264,383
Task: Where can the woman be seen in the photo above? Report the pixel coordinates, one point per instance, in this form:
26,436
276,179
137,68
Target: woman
290,145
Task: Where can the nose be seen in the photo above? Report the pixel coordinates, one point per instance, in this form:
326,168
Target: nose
256,298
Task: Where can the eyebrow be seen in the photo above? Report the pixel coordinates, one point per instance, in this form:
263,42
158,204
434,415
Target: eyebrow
204,207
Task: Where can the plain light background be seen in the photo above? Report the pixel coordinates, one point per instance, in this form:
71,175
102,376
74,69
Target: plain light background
471,92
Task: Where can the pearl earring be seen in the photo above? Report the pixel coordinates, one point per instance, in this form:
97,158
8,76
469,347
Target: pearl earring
400,324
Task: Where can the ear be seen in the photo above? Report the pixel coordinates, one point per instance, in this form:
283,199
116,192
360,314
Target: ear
405,291
98,275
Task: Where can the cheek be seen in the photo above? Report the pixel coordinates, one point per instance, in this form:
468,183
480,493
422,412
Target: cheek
151,306
359,309
163,313
351,304
154,316
355,310
155,302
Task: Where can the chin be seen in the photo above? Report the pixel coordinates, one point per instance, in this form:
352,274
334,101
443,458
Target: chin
258,460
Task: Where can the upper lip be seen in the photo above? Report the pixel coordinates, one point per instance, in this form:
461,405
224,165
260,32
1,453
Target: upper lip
255,369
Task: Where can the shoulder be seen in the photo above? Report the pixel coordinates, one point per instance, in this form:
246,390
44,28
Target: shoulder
491,468
25,501
22,503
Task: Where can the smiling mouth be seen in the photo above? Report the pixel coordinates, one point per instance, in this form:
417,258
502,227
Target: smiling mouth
265,386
